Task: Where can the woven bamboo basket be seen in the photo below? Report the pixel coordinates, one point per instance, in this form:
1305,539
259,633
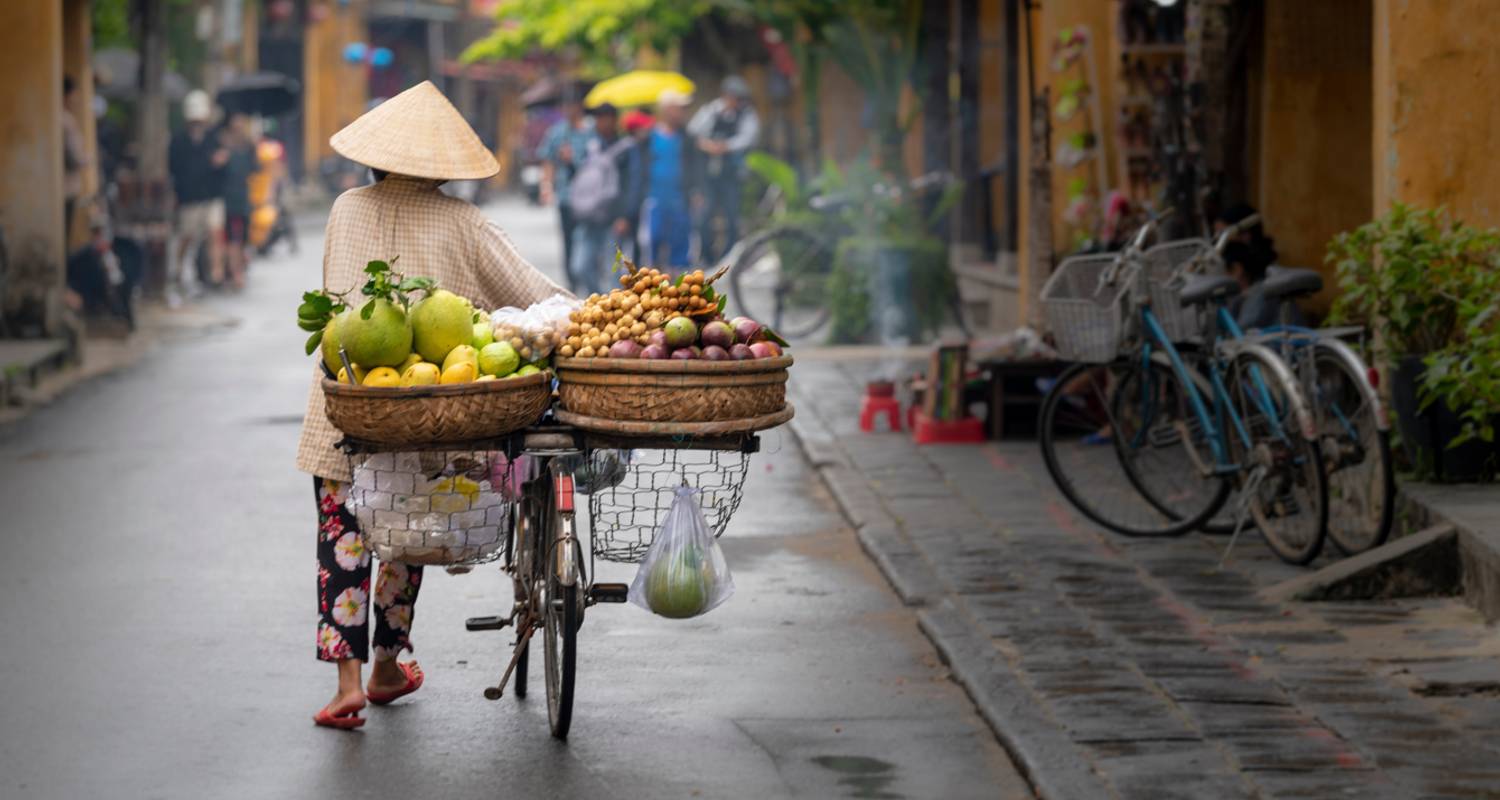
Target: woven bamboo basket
672,391
427,415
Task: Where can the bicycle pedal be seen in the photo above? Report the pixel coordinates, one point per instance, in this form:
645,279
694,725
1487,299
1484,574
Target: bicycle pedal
609,592
486,623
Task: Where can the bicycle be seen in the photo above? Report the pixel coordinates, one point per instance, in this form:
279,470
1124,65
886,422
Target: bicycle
543,550
1351,419
781,274
1183,437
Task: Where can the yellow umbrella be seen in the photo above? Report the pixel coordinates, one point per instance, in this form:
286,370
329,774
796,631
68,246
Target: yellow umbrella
638,88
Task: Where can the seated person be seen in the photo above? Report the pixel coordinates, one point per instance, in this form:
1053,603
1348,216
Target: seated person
1247,256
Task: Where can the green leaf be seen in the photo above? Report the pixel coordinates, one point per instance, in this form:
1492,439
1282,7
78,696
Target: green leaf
773,336
723,302
313,342
311,324
368,310
777,173
377,267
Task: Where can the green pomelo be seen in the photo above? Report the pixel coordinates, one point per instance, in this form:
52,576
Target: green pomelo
440,323
498,359
676,586
383,340
331,343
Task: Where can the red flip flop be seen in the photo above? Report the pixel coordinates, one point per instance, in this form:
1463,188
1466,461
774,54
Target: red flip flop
347,721
413,675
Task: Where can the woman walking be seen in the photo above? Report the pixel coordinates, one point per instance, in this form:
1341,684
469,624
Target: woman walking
412,143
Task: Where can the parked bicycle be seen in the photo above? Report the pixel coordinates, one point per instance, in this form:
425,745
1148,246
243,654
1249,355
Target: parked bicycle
1184,432
1351,418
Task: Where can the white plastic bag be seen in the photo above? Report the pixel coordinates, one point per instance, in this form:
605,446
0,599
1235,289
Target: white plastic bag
684,573
429,507
536,330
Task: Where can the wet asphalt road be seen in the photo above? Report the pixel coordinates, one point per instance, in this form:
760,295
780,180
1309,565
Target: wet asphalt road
157,611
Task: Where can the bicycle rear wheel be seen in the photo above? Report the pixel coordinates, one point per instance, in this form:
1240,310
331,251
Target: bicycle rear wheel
1356,453
780,278
1154,485
1289,499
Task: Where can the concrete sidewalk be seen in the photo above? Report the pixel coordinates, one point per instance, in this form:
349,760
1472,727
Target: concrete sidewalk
1132,668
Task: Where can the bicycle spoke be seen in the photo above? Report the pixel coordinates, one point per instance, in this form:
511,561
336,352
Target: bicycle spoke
1289,501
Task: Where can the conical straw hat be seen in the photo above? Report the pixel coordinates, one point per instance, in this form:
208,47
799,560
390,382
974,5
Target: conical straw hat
417,133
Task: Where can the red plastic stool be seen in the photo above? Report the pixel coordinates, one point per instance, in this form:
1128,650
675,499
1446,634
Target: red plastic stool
880,398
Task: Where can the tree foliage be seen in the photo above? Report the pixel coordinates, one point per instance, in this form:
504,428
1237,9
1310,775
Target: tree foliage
601,34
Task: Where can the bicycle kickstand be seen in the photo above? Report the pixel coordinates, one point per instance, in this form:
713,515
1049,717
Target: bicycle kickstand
497,691
1252,485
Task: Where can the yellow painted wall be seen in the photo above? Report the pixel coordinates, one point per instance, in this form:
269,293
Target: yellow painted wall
31,195
78,47
1314,168
1047,20
334,91
1437,63
991,106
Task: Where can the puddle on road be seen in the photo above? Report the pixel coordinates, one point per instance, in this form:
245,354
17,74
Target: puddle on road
864,777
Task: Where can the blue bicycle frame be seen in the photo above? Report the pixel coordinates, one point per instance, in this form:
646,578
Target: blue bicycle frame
1213,424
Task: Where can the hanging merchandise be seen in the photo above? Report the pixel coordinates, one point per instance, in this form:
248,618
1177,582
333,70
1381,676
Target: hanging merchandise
1078,119
684,573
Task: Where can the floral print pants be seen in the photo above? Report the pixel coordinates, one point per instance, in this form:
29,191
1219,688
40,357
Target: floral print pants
344,587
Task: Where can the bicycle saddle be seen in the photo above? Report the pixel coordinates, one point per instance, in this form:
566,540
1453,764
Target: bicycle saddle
1291,281
1203,288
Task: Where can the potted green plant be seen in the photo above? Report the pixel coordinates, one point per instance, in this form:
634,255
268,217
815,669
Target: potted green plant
890,278
1429,285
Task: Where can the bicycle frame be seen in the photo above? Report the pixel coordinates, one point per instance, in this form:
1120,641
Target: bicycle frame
1216,431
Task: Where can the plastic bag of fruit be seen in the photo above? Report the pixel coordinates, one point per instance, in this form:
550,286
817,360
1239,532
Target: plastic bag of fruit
537,330
684,573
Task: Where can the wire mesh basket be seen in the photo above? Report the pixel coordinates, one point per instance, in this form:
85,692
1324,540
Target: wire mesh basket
1167,267
447,508
1087,319
626,514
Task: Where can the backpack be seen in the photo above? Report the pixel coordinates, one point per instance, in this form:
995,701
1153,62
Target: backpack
596,186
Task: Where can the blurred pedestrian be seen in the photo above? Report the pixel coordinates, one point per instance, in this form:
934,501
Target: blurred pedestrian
237,140
562,150
75,158
671,172
412,143
638,125
724,130
604,195
196,161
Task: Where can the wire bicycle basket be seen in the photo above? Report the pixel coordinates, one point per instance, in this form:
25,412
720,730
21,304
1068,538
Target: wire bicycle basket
1087,317
625,514
1167,266
442,508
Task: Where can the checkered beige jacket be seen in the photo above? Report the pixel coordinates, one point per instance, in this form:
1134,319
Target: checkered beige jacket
436,236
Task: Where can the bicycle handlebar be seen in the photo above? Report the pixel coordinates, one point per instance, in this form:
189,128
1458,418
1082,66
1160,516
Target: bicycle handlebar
1234,230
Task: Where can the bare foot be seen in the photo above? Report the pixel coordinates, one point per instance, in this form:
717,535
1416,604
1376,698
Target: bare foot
386,677
345,703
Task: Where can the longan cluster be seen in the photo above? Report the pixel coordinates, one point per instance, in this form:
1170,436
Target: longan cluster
647,300
530,344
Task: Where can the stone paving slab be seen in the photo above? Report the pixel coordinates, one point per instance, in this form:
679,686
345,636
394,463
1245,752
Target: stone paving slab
1136,666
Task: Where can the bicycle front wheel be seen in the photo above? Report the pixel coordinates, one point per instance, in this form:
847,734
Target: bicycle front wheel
780,278
1357,454
1155,485
1282,479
